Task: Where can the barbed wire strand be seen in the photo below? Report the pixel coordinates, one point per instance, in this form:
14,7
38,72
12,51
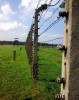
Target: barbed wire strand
55,3
55,22
48,8
38,4
49,17
53,39
36,8
43,11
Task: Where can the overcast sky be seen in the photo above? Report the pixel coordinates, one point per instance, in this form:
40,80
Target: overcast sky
16,17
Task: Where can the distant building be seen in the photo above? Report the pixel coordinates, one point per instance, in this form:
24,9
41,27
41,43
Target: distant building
59,46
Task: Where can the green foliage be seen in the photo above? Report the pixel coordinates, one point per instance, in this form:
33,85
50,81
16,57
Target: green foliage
15,76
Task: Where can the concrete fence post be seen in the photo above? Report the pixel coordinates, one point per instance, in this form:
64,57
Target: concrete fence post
70,63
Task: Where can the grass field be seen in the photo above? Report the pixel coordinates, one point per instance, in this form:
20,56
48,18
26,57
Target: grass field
49,68
15,76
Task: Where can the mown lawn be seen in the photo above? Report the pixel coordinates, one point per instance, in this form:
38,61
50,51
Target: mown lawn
49,68
15,76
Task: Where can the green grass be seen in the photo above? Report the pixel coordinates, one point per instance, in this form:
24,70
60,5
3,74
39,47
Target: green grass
15,76
50,62
15,83
49,68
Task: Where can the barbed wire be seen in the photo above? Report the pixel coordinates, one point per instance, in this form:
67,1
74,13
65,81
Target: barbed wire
43,11
55,22
34,12
55,3
38,4
49,4
49,17
53,39
46,11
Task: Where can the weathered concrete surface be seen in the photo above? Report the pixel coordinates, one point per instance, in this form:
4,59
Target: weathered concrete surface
74,52
70,70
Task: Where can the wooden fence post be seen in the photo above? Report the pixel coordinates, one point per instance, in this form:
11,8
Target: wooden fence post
14,55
